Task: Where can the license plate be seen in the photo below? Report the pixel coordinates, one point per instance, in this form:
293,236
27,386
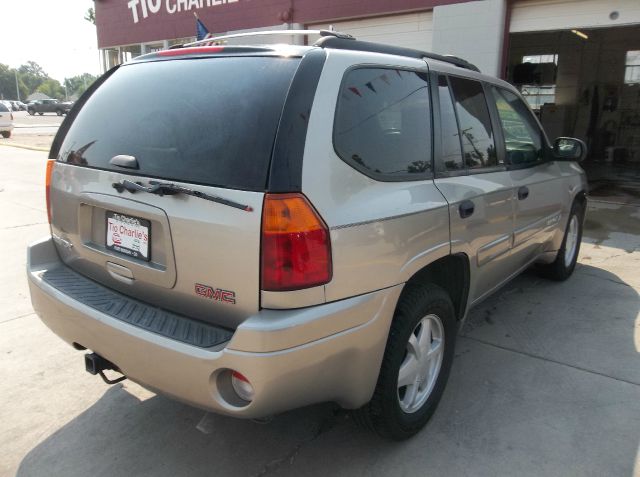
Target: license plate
128,235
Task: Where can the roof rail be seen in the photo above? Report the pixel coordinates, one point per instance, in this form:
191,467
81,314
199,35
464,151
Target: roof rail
339,43
322,33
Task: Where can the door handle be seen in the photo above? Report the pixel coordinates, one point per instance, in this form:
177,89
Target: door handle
466,208
523,193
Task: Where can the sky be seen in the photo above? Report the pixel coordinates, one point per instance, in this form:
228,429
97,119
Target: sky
52,33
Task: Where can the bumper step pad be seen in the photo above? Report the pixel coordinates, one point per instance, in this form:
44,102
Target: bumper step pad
134,312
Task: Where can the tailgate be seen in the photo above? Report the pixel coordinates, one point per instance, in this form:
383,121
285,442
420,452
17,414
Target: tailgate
205,125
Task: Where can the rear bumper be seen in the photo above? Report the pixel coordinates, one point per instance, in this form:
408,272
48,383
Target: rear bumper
291,357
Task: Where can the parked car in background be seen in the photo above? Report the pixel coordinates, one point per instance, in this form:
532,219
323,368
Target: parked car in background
42,106
6,121
19,106
323,241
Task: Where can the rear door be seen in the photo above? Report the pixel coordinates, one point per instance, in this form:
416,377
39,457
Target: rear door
206,125
473,178
537,183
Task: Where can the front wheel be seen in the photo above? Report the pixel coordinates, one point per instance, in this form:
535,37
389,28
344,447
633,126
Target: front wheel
40,114
31,112
416,364
6,134
564,264
59,112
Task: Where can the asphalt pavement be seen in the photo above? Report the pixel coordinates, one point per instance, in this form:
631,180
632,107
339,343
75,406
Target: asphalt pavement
546,381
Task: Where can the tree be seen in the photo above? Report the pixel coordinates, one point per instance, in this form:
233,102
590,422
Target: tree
51,88
8,84
33,75
90,16
77,85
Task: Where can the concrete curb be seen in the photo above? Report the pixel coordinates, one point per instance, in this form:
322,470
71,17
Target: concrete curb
23,146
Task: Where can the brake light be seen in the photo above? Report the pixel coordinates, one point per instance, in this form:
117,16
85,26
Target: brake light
47,183
198,50
296,246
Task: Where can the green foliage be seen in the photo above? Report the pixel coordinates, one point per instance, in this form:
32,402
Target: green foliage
8,84
78,84
33,75
90,16
32,78
51,88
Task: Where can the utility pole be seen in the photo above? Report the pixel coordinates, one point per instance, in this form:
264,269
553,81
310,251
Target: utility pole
17,89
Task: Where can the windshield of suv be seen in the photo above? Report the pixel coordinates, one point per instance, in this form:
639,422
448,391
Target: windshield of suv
208,121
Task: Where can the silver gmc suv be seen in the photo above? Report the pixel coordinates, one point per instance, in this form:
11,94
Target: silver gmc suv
255,228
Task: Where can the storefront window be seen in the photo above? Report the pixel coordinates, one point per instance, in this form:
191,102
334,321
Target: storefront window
632,67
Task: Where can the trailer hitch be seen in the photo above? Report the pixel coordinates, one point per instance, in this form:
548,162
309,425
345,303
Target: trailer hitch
97,365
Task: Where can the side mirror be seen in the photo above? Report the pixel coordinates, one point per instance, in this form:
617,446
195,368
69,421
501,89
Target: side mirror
569,149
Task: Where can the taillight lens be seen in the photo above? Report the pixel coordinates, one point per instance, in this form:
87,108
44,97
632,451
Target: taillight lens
47,183
296,246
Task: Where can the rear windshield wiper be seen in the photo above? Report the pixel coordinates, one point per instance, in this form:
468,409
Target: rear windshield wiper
166,188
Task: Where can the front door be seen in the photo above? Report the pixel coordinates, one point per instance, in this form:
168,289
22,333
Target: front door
538,191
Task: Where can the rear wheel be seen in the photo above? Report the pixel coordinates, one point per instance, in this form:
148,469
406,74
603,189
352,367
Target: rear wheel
59,112
415,366
6,134
564,264
31,112
40,114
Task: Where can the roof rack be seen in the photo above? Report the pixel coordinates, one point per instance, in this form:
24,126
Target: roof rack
322,33
342,41
339,43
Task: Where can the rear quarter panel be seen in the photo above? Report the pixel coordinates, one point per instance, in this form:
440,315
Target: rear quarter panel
381,232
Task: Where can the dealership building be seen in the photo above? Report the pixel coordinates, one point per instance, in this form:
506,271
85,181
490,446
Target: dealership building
576,61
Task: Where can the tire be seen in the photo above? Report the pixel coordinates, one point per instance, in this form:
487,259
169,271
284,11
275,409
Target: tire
40,114
6,134
59,112
564,264
31,112
392,412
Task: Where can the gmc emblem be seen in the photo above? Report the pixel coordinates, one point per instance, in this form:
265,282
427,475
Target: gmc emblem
216,294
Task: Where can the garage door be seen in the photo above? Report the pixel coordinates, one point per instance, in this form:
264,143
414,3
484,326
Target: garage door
413,30
540,15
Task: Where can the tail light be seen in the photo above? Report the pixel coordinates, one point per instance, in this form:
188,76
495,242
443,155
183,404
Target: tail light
47,183
296,247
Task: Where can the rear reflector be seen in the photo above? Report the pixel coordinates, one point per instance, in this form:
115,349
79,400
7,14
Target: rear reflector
296,246
47,184
242,386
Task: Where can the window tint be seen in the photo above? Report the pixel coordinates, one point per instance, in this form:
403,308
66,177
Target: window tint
3,108
451,159
382,124
475,124
522,136
208,120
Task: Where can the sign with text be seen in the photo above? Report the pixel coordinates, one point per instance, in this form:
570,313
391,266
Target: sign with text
141,9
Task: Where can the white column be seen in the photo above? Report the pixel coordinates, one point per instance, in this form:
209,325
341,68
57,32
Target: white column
473,31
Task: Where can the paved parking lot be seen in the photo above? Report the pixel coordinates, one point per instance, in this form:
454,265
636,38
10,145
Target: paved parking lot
546,381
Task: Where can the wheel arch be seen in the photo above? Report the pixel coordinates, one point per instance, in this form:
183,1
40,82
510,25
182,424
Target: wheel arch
452,273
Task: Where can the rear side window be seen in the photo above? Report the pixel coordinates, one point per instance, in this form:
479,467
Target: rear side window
522,136
450,137
383,123
208,121
3,108
475,124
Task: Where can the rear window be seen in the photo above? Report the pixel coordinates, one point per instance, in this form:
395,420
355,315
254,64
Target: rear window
207,121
